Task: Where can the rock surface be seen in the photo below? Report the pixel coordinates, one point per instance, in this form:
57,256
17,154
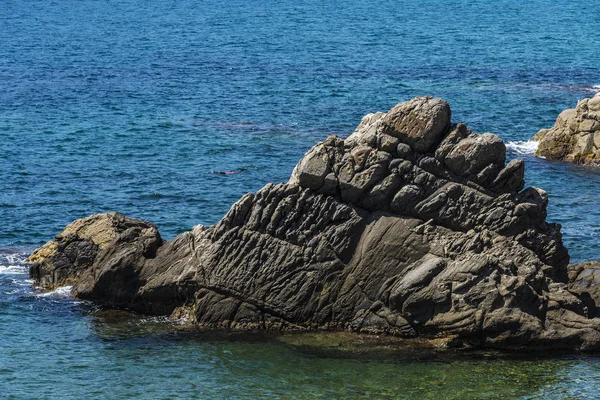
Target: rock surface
584,279
575,137
412,226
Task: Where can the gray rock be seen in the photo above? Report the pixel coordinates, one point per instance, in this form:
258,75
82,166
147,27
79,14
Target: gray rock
584,280
432,238
421,122
316,164
388,143
474,153
511,178
76,257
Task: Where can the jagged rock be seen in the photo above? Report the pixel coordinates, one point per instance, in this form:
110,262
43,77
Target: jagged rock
411,226
584,279
475,153
575,137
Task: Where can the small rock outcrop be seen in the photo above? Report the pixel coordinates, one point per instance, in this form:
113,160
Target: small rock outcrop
69,259
575,137
412,226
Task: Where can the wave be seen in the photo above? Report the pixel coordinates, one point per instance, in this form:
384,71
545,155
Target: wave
595,89
22,282
60,293
522,148
12,263
13,269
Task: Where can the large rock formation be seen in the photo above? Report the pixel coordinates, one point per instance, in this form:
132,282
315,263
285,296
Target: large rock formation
575,137
412,226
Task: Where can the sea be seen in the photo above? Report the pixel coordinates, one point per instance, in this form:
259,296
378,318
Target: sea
169,111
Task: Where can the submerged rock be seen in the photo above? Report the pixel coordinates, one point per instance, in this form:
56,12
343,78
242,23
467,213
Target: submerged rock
412,226
575,137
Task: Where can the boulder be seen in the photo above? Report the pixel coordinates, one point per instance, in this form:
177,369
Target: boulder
412,226
474,153
70,258
420,122
575,137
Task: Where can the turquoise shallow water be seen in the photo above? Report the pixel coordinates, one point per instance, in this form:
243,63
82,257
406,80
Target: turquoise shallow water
129,106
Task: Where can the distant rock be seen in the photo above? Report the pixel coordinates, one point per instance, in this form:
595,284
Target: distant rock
575,137
412,226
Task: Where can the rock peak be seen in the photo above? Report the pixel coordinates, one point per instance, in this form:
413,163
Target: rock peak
413,142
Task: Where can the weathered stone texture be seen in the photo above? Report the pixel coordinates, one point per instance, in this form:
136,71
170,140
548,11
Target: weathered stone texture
412,226
575,137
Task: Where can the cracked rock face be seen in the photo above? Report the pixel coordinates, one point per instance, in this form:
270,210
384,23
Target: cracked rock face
412,226
584,279
575,137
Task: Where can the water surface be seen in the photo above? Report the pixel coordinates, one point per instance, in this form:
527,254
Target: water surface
128,106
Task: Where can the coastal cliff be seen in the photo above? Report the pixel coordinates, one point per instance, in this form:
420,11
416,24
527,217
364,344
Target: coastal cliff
575,137
412,226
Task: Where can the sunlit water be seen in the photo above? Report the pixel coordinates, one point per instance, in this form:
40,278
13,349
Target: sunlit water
129,106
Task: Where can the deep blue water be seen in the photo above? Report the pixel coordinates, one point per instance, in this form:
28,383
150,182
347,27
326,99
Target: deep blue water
129,105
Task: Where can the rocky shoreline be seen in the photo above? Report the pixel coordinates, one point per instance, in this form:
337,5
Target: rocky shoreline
412,227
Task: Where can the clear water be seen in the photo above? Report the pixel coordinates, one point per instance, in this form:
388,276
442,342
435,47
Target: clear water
129,105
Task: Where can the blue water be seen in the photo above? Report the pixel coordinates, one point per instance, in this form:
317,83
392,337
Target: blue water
129,106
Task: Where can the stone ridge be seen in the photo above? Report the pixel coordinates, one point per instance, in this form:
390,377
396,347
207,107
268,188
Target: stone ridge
461,184
412,226
575,137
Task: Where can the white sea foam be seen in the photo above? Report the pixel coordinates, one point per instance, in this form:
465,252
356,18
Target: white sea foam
595,89
14,258
61,292
12,263
22,282
12,269
155,320
522,148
